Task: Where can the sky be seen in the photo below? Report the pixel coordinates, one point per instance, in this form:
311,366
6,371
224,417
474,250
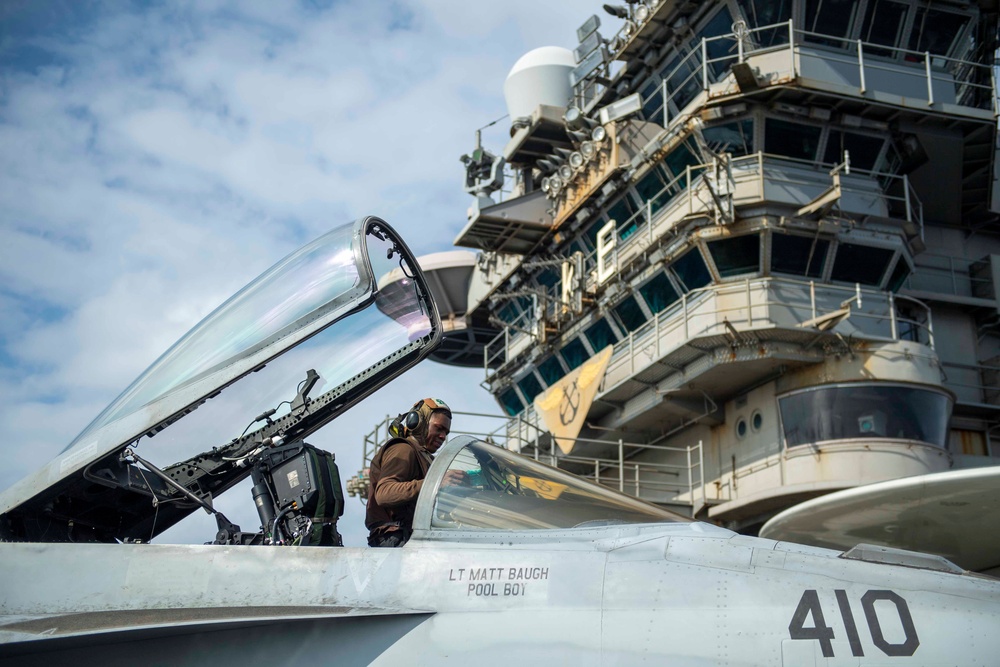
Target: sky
155,157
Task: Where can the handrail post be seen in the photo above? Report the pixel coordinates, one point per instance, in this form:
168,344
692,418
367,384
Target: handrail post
930,329
760,172
701,470
597,471
649,220
704,63
690,195
690,480
666,106
861,65
812,298
621,465
749,305
684,307
906,198
892,312
930,80
791,46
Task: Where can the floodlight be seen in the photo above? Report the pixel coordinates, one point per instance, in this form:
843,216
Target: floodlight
576,160
547,165
554,184
577,135
546,185
587,149
572,117
566,172
621,108
599,133
590,122
562,151
587,46
628,29
617,11
642,13
588,27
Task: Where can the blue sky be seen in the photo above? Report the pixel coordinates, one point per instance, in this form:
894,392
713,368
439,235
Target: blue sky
154,157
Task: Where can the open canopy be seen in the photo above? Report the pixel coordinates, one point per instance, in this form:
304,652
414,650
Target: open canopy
302,343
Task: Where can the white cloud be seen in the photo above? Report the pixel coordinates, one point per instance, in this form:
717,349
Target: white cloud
159,159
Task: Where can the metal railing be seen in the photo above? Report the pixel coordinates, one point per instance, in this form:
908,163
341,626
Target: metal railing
961,82
681,482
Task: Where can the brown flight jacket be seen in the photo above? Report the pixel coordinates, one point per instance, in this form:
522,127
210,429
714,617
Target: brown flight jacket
397,475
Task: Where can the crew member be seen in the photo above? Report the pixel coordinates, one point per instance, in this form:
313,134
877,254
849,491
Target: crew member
398,470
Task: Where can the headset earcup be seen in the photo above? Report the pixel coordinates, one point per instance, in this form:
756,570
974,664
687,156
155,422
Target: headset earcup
412,420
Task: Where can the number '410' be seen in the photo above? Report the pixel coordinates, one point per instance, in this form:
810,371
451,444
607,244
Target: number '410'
823,633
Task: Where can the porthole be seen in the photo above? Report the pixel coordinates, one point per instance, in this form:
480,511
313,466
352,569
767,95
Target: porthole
741,428
756,420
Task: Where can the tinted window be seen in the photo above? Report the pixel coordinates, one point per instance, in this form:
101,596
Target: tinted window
649,186
550,370
782,137
735,137
510,403
529,386
679,159
600,335
691,271
630,314
899,275
574,353
883,23
862,148
659,293
860,264
801,255
737,255
762,13
865,411
621,212
720,51
935,30
652,102
829,17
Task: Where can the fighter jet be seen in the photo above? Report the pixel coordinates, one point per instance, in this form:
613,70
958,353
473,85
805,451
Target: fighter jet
519,563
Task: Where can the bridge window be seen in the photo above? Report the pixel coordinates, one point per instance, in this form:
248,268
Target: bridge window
652,101
622,213
843,412
936,31
860,264
863,149
691,271
763,13
600,335
574,353
510,402
550,370
659,293
735,137
798,255
650,186
795,140
736,255
630,313
829,17
899,275
721,52
529,386
883,24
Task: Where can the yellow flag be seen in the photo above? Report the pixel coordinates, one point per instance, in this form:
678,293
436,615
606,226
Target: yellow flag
563,407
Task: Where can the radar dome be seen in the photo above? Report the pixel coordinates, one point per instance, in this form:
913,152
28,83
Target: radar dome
540,76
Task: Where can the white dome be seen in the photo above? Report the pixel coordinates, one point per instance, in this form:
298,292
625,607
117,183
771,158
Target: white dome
540,76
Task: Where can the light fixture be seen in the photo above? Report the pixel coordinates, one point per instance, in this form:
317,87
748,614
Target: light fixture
599,133
577,135
642,13
554,184
628,29
547,165
566,172
546,185
562,151
576,160
587,149
617,11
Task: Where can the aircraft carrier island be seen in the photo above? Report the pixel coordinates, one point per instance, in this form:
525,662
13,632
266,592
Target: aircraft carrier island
740,255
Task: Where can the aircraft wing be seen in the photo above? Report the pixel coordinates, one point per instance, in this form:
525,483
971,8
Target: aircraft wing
955,514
